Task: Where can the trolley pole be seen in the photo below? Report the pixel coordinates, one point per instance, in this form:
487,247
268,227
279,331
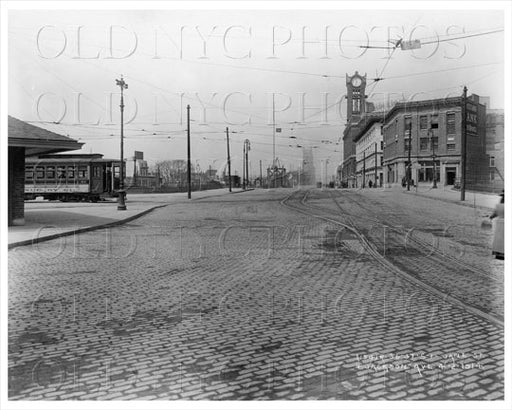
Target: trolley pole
189,183
229,159
121,205
463,147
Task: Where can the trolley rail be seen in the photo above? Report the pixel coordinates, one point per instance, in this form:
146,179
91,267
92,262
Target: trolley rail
424,269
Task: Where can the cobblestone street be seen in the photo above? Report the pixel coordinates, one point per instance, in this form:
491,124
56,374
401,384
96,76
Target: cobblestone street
263,295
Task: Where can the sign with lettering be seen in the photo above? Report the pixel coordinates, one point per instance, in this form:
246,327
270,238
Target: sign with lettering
410,45
471,118
55,188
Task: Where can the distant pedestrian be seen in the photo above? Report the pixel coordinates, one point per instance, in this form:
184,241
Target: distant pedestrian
498,248
370,183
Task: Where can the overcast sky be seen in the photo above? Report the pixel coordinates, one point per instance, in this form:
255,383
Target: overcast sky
226,65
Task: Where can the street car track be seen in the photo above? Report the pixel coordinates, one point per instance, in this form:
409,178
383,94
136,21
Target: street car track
416,240
296,201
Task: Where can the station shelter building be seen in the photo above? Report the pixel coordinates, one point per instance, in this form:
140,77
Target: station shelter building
26,140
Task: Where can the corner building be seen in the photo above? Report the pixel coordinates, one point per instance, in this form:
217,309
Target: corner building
430,133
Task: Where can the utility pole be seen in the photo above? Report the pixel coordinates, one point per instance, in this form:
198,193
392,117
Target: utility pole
189,176
375,177
261,175
134,171
463,146
247,146
121,206
274,139
364,168
409,157
243,168
229,159
433,158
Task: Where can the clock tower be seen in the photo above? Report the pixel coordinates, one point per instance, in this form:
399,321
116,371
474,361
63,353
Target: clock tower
356,98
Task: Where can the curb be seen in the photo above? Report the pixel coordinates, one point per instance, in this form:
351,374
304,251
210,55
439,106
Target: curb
449,201
82,230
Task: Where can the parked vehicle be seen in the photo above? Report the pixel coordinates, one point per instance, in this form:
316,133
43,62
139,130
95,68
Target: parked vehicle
71,177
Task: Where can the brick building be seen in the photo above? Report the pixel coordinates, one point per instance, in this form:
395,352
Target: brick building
27,140
495,141
356,108
432,131
368,151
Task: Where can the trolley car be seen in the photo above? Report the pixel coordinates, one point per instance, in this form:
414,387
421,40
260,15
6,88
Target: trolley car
71,177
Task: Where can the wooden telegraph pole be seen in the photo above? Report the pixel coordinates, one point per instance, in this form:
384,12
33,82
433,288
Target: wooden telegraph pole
463,147
189,177
229,159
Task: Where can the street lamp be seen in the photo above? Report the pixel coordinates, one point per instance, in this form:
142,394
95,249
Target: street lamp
247,148
121,206
433,158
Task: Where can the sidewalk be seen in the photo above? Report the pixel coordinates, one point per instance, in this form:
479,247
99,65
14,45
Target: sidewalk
46,220
447,194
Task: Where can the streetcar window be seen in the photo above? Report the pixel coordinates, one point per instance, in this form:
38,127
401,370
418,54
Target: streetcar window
39,172
29,173
61,172
71,172
82,172
97,172
50,172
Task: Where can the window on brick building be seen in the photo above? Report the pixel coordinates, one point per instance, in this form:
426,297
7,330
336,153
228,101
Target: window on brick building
450,143
407,126
423,122
450,123
434,124
407,143
435,142
424,143
491,162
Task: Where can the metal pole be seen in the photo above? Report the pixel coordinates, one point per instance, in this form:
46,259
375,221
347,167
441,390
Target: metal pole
229,159
274,139
248,146
409,158
463,147
121,206
134,171
364,168
261,175
375,177
433,159
243,169
189,176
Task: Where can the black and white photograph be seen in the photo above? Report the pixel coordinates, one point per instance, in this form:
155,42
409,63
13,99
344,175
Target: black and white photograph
282,203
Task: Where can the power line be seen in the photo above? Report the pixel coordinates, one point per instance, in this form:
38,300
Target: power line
437,40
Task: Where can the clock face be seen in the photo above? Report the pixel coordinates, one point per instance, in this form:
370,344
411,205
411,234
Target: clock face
356,81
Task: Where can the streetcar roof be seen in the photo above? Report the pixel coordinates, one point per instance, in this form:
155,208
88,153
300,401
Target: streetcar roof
35,160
